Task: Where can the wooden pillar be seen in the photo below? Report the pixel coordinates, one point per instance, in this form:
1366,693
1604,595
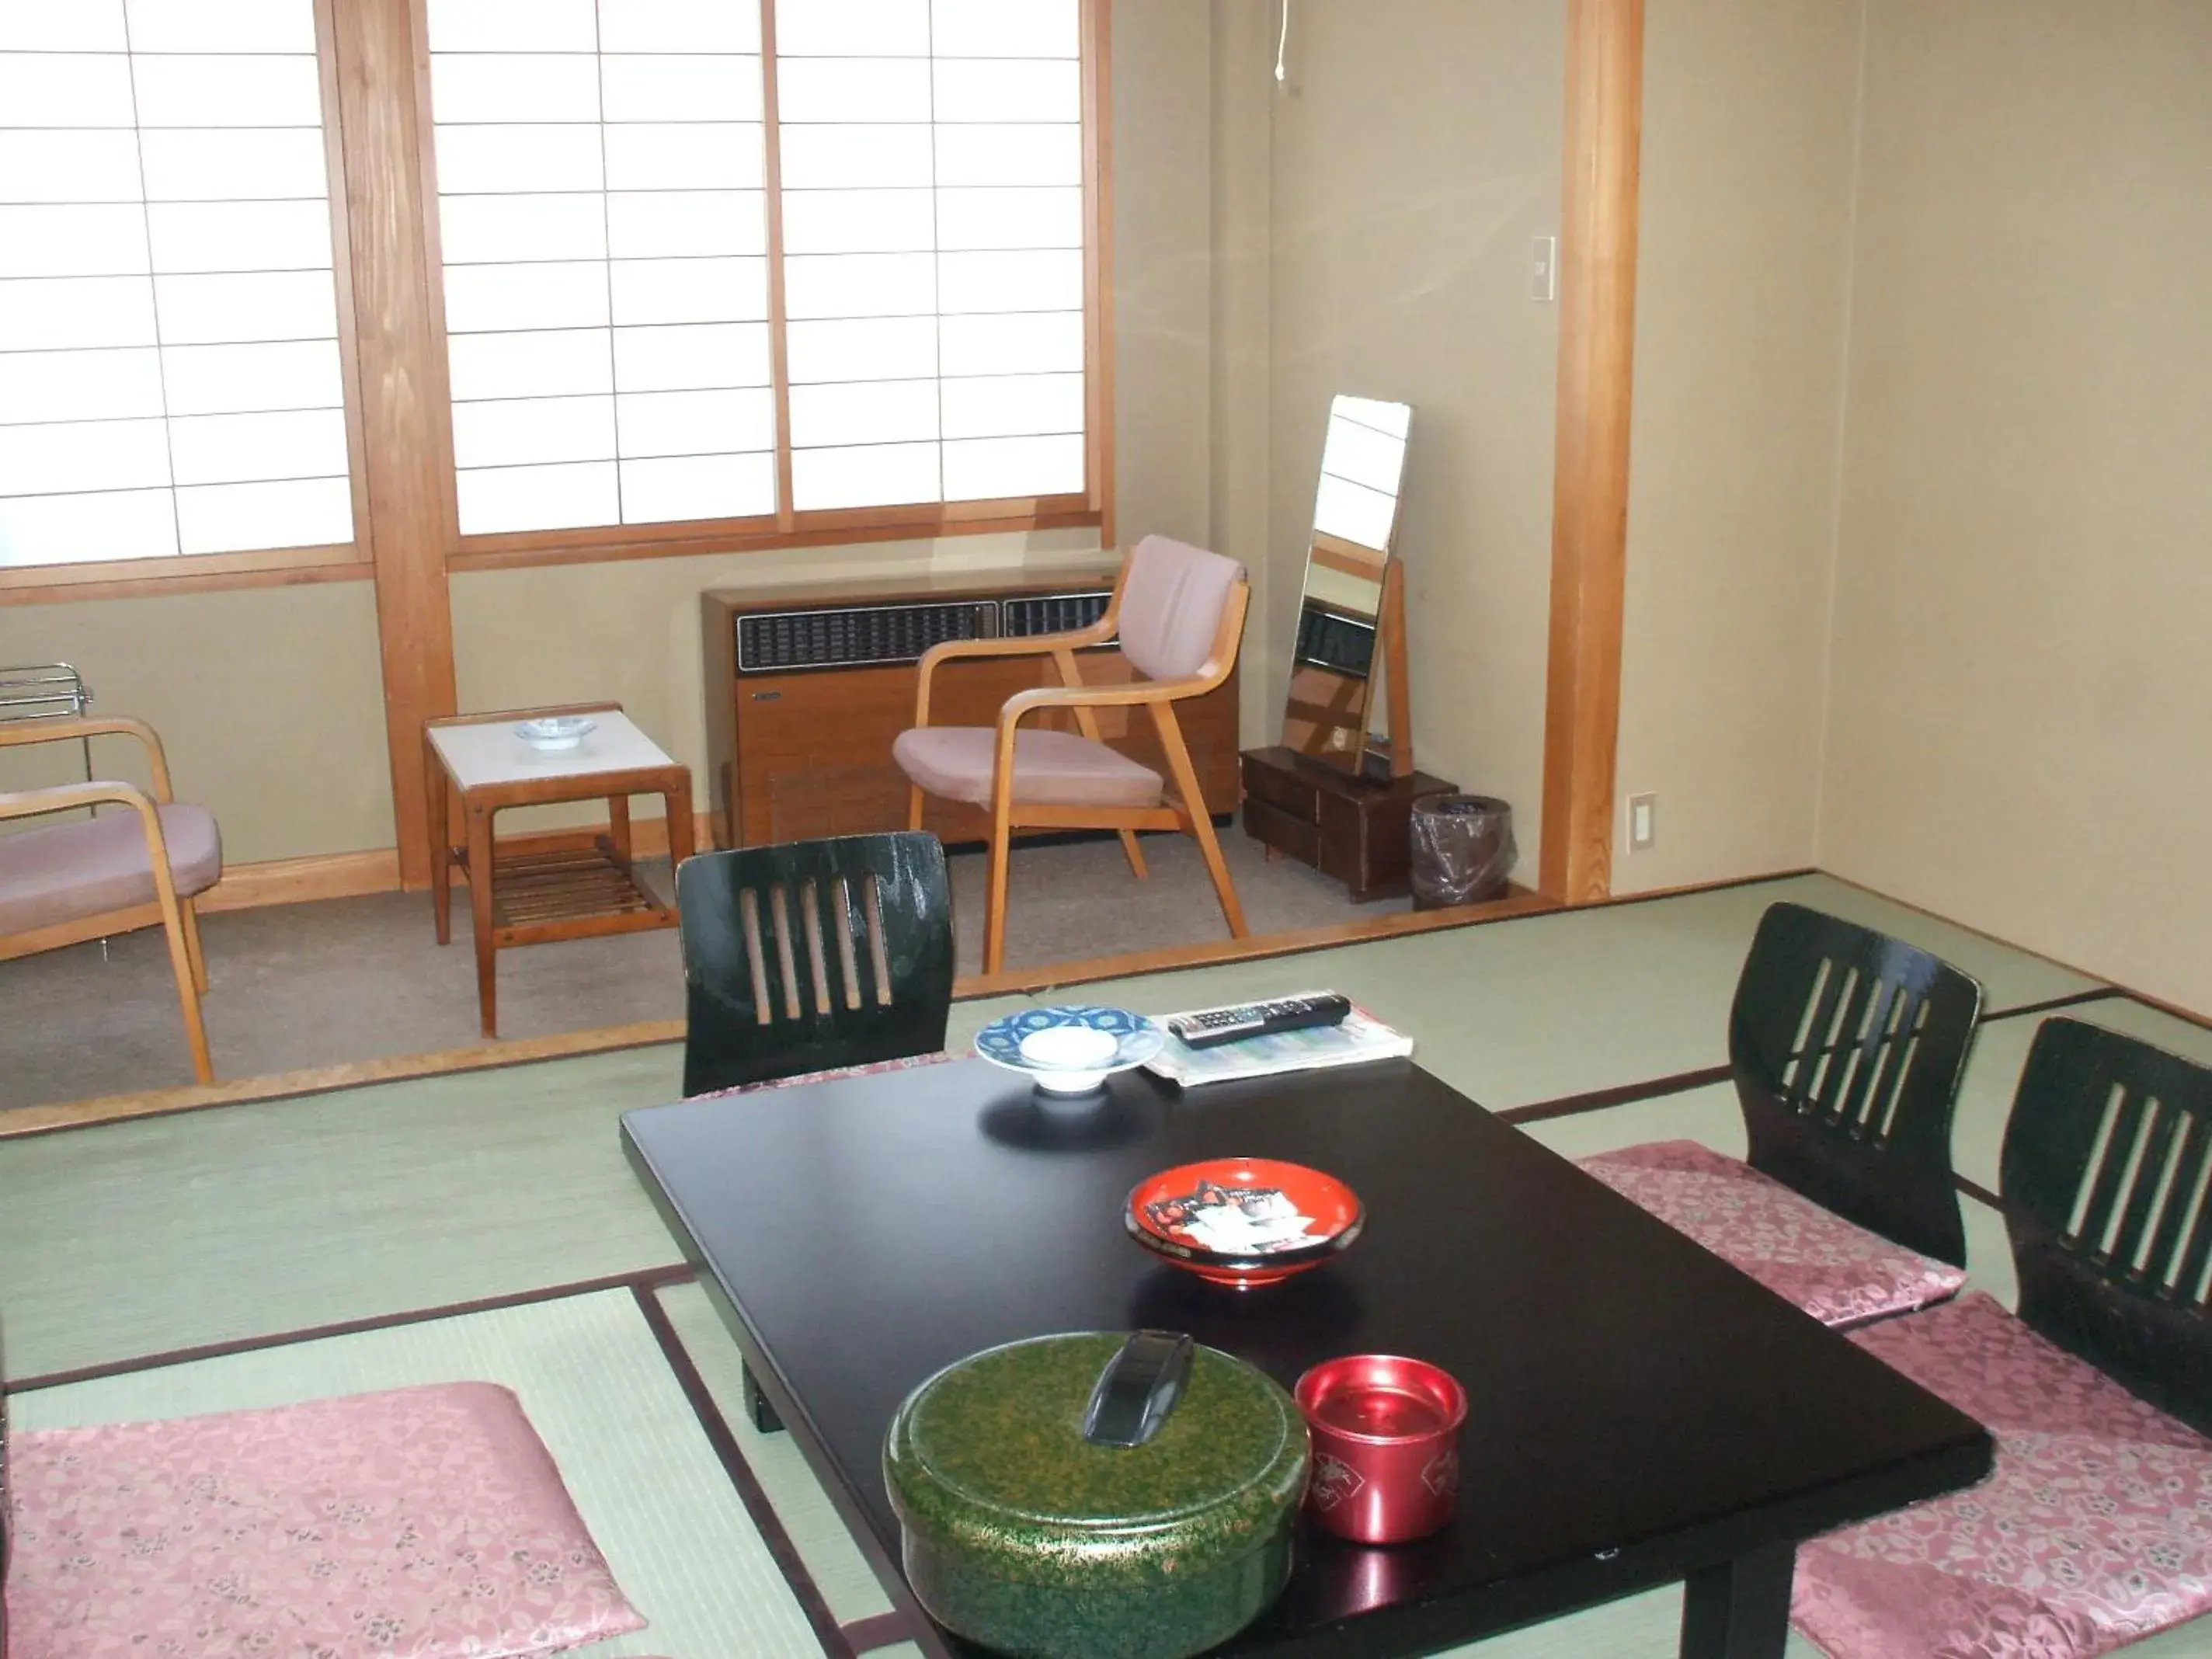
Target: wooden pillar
401,359
1589,511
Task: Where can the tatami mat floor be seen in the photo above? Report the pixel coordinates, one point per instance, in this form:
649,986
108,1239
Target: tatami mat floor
138,1240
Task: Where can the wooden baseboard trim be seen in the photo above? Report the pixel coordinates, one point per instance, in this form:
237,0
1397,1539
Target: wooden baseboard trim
300,881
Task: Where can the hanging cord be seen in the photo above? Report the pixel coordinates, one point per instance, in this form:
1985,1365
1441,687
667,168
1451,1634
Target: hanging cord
1282,45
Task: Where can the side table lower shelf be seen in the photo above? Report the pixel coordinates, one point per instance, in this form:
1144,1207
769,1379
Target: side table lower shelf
578,892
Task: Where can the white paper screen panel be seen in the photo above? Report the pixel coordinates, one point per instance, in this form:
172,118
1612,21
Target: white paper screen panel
603,220
169,369
603,224
934,235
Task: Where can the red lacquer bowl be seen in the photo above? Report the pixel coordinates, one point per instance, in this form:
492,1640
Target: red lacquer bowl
1227,1219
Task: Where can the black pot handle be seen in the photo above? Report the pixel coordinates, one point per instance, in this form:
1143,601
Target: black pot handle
1137,1389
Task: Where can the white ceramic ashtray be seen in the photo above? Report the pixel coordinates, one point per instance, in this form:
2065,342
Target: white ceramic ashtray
555,733
1070,1051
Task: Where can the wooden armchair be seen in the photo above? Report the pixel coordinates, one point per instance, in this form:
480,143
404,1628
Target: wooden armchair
70,882
1180,613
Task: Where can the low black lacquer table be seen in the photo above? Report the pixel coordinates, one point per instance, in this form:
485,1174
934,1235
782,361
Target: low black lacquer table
1639,1413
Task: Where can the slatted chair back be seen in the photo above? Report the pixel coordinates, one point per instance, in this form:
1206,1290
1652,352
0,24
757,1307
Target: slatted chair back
1847,1047
2106,1176
812,954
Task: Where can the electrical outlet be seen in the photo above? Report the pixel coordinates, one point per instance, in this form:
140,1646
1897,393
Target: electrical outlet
1643,822
1544,270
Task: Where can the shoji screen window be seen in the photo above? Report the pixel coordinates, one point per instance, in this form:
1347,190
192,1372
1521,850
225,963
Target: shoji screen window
170,377
603,223
932,173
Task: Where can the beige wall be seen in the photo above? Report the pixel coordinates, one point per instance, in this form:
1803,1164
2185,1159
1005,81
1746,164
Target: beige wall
268,700
1416,157
2020,724
1741,307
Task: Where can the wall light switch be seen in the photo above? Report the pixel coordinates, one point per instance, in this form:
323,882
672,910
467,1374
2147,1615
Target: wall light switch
1643,822
1544,270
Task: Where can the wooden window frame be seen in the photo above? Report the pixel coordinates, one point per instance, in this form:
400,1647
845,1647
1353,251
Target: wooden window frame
786,527
353,561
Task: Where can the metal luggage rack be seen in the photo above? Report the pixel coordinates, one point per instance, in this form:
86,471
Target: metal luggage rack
46,691
43,691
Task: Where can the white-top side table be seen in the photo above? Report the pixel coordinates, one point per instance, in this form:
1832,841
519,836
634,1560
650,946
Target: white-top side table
474,766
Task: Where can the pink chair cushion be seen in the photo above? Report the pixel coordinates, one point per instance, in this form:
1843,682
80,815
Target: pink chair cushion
1057,768
2095,1529
88,867
1839,1274
417,1523
1171,605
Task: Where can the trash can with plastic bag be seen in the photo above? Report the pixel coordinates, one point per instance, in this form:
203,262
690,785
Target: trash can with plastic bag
1463,849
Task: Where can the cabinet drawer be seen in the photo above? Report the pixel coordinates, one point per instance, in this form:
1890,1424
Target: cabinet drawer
1287,793
1281,831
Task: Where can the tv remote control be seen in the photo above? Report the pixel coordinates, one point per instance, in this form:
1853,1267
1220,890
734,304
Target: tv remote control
1220,1025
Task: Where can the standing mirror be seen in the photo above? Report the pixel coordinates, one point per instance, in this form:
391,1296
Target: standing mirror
1350,647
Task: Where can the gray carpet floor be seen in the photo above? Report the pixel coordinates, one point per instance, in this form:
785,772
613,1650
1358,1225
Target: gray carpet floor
304,985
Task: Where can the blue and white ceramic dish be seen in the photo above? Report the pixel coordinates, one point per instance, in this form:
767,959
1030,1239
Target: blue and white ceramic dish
551,733
1070,1051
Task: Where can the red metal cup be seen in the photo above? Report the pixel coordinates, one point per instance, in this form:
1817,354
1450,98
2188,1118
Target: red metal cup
1385,1446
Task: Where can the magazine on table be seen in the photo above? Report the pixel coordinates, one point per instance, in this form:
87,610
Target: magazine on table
1358,1038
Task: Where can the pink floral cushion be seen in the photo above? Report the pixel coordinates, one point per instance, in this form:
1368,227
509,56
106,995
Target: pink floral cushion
2095,1529
1839,1274
412,1524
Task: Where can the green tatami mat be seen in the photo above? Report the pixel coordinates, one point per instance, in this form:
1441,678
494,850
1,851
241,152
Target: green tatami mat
144,1236
1542,1007
848,1583
594,1383
2010,977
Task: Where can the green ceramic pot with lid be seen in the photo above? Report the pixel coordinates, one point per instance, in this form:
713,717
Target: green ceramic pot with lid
1097,1496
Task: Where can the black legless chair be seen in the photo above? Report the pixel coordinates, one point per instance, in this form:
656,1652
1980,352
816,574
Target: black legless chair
2099,1392
1846,1049
2107,1177
809,955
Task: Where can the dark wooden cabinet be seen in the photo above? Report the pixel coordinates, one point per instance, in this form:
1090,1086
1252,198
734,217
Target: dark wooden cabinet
805,750
1356,829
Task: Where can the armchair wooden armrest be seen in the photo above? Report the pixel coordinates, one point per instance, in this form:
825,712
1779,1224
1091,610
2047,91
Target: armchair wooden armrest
1034,645
1081,699
179,923
15,733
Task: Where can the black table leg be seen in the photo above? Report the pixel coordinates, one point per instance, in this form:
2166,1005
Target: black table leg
764,1416
1741,1610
